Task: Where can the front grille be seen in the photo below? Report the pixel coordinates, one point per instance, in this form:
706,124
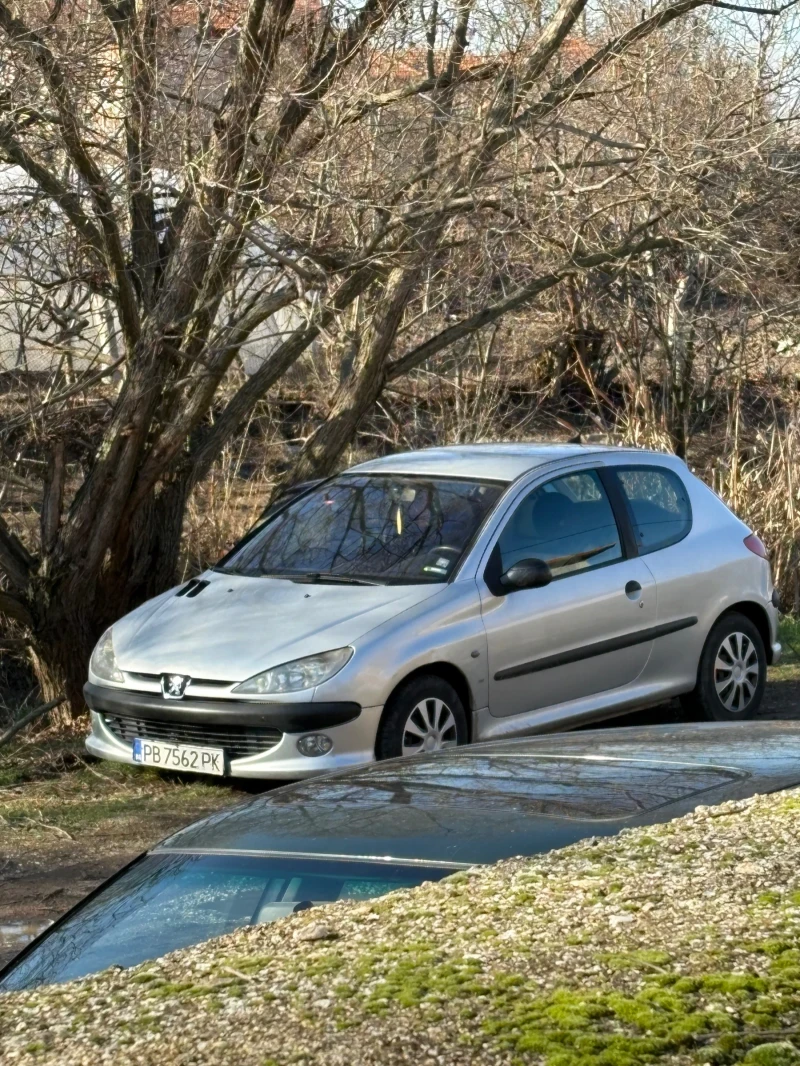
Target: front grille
237,740
207,682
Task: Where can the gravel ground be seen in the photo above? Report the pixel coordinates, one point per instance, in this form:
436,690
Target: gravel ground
674,944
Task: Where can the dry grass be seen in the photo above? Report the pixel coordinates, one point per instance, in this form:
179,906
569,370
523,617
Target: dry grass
760,481
224,507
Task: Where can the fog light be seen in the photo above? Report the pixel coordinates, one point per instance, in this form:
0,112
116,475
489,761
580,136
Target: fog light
314,744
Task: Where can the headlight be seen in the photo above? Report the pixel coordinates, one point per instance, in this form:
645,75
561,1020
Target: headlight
104,661
298,674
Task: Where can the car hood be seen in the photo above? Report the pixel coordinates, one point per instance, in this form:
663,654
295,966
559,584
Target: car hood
238,626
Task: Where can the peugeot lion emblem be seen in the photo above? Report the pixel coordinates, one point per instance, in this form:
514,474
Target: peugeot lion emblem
173,686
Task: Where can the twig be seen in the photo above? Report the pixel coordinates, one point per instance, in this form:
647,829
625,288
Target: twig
38,712
79,386
40,823
237,973
103,777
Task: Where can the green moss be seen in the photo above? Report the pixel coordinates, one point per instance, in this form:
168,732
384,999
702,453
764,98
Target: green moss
666,1015
735,985
169,988
773,948
787,959
145,1021
768,899
637,959
778,1054
249,963
759,1020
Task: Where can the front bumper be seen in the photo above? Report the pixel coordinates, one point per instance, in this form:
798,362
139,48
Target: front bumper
351,728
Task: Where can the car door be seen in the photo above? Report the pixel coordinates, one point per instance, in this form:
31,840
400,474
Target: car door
587,631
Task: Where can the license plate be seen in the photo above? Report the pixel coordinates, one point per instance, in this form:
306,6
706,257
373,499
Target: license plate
179,757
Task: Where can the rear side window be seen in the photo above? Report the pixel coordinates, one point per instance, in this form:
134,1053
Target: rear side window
659,505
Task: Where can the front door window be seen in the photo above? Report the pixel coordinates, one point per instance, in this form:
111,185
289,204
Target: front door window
568,523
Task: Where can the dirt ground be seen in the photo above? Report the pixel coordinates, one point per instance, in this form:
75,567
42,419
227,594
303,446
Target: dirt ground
67,822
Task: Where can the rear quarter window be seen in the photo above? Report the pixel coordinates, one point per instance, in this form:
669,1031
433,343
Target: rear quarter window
659,506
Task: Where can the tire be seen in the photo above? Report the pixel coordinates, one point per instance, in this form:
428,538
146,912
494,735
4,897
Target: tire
426,700
732,672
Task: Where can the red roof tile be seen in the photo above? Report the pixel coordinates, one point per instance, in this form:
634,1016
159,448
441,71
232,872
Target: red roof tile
226,15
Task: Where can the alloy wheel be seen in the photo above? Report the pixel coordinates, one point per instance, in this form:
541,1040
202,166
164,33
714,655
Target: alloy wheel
736,672
431,726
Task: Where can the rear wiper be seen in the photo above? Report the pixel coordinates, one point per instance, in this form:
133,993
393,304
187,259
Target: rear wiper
330,579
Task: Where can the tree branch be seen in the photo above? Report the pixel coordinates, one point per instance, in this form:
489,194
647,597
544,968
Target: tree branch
564,88
319,76
493,312
52,497
598,138
70,204
359,108
271,370
79,386
15,560
503,128
32,46
135,28
13,607
224,350
32,716
755,10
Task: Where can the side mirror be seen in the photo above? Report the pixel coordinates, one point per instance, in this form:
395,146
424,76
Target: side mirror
526,574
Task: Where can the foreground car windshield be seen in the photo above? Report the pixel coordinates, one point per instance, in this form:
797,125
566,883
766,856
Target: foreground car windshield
165,902
377,528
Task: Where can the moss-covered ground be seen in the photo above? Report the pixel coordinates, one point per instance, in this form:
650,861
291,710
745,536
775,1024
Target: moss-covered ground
676,944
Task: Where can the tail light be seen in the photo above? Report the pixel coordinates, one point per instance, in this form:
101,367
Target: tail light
755,545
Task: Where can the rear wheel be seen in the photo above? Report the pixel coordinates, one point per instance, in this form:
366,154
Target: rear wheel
424,714
732,673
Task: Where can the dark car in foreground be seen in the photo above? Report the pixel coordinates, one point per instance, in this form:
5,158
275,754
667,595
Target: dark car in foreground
362,833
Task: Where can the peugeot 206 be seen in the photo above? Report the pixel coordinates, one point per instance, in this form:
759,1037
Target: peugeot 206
435,598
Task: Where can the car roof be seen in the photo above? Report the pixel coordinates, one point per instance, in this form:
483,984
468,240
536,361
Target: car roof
496,800
502,462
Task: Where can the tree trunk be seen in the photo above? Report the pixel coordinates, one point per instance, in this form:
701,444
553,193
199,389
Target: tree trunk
71,615
356,397
65,631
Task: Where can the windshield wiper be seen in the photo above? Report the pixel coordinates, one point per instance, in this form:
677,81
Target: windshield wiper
329,579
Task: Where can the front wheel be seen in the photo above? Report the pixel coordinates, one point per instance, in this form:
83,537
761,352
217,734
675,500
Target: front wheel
732,673
425,714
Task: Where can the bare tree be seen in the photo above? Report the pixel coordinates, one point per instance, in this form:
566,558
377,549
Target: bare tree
336,165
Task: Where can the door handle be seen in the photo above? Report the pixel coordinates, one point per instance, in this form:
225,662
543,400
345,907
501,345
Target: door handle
632,589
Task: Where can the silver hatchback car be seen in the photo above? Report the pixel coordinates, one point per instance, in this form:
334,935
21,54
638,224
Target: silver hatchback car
439,597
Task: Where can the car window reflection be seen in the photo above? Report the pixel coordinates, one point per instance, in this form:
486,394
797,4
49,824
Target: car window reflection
553,787
386,528
167,902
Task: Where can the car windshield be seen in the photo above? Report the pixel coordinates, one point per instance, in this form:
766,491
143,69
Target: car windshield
169,901
381,529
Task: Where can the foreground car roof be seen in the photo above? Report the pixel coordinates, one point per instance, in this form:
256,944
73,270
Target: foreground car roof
503,462
490,801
